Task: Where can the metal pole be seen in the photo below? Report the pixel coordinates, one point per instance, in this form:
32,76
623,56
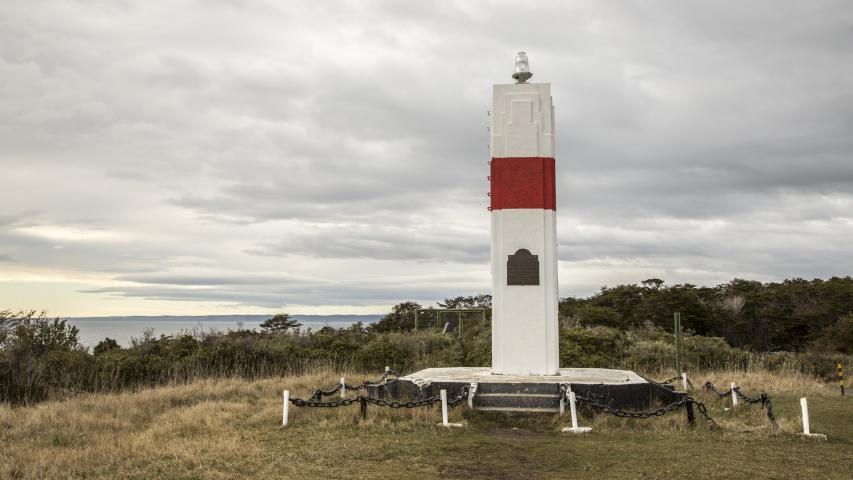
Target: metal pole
459,314
691,419
574,409
416,320
677,328
841,378
734,395
363,408
444,407
285,408
805,406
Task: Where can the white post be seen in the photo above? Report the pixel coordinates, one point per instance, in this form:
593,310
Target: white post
343,388
805,406
574,410
444,408
472,392
387,369
563,403
285,408
734,395
684,380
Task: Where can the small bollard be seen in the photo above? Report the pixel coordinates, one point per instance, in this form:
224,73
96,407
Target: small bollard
574,409
472,392
734,395
285,408
343,388
444,407
807,431
684,381
444,419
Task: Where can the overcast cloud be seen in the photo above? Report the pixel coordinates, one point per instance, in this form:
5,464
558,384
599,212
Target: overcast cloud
325,156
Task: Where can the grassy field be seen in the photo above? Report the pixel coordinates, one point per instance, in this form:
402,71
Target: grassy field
231,429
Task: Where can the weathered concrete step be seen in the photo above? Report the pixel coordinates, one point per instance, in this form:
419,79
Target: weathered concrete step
541,395
533,388
517,409
496,401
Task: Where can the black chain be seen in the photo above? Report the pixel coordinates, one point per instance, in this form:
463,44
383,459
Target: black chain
648,414
629,413
311,402
747,399
711,388
704,411
668,381
763,399
320,393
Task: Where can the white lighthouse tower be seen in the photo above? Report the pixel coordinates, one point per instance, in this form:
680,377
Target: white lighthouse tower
525,338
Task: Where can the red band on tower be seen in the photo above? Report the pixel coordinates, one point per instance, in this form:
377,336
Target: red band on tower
523,182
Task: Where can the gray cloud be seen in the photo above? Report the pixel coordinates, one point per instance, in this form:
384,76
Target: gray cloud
328,153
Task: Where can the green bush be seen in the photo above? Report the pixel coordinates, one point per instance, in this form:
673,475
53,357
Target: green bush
595,347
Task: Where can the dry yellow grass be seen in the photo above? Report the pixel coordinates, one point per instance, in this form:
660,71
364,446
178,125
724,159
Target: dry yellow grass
230,428
193,425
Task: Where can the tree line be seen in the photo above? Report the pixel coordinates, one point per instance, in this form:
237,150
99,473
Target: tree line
807,325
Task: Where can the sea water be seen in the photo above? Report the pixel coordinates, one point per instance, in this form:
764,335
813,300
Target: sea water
124,329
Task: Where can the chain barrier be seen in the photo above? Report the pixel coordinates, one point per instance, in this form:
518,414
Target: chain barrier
686,402
319,393
763,399
711,388
315,400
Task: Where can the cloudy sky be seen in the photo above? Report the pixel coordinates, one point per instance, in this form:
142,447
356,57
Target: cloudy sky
201,157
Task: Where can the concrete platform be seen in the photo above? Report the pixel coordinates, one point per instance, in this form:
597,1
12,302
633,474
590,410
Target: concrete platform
600,376
531,393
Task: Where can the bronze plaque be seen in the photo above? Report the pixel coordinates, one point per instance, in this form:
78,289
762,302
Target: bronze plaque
522,268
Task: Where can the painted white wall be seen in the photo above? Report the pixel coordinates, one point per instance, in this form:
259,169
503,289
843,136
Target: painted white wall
525,337
522,120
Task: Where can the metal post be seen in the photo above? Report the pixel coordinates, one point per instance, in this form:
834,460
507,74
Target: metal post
734,395
363,408
444,408
574,408
684,380
805,406
285,408
677,329
416,320
459,315
472,392
841,378
691,419
343,388
483,318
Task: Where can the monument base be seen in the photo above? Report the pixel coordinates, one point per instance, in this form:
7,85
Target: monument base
622,389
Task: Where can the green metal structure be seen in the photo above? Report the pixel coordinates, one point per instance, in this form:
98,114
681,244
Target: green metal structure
677,330
458,311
